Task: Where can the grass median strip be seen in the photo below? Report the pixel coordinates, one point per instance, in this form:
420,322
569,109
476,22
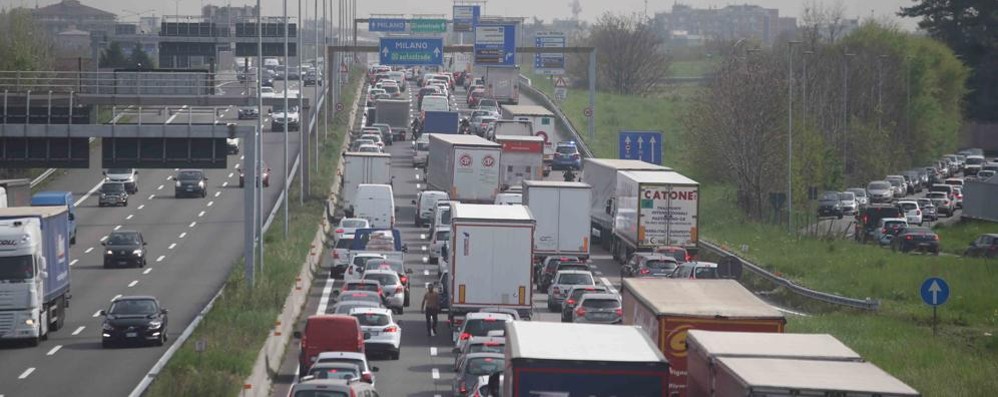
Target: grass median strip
961,360
238,324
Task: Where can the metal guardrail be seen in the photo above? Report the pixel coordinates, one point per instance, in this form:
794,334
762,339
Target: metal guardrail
863,304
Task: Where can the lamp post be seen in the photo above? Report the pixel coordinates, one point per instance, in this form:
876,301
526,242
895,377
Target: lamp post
845,109
790,135
286,149
880,90
803,112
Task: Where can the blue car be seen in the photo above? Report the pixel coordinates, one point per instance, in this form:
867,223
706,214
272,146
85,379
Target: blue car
566,157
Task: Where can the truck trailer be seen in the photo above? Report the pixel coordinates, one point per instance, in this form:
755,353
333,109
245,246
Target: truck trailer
560,209
34,264
395,113
522,159
566,359
464,166
654,209
669,308
503,84
753,376
15,193
601,174
364,168
490,257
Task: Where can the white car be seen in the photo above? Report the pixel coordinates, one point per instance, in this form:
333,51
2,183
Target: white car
478,324
127,176
437,240
912,212
268,92
509,199
391,288
381,334
359,359
849,202
369,149
349,226
355,271
341,255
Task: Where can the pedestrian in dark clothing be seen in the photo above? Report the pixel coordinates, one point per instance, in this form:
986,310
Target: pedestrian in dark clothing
431,307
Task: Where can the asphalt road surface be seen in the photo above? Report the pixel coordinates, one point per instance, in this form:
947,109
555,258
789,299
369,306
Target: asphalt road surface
192,244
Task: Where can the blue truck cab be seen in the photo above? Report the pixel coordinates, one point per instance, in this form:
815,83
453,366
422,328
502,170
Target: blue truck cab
53,198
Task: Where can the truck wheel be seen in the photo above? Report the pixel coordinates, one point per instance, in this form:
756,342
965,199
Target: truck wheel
60,312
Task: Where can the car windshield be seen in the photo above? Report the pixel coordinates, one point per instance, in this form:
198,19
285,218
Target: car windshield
830,196
705,272
112,188
345,307
487,347
380,264
189,175
372,319
123,239
344,243
659,264
846,196
601,303
119,171
279,108
574,279
484,366
443,235
894,224
361,287
858,192
975,161
362,296
918,230
445,216
488,103
566,149
576,293
909,206
878,186
482,326
16,268
936,195
421,145
133,306
335,373
383,279
572,266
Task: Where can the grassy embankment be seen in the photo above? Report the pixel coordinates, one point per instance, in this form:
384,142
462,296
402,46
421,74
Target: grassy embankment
238,324
961,360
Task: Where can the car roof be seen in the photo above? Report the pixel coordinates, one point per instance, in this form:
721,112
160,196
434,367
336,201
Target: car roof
885,220
486,339
600,296
574,272
360,281
470,356
370,310
907,202
701,298
126,231
700,264
380,271
625,343
485,315
135,297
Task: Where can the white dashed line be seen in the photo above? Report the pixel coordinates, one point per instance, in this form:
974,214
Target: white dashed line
141,207
116,227
115,297
147,270
435,373
324,301
433,351
26,373
598,273
182,235
97,313
193,224
423,248
160,187
417,177
132,284
170,176
418,187
426,272
242,158
171,246
211,203
103,239
88,250
161,257
73,262
54,349
91,191
218,193
608,285
224,184
151,196
230,175
78,330
200,214
129,217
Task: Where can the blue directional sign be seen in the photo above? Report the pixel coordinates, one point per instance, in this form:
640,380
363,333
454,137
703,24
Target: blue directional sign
386,25
641,145
934,291
549,63
495,44
466,18
407,51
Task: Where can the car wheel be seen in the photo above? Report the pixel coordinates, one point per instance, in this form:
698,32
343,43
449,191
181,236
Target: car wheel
204,193
401,311
395,355
105,344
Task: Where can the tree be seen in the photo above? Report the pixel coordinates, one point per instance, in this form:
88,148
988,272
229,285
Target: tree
23,44
140,59
629,54
113,57
968,27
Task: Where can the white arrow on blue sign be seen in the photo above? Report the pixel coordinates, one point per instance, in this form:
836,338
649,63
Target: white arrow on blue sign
647,143
407,51
934,291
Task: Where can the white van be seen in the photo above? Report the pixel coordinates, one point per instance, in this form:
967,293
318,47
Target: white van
425,202
441,214
376,203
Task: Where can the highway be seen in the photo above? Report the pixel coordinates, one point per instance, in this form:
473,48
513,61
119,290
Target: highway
193,243
425,367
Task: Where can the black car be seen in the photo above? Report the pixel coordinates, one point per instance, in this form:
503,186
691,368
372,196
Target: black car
830,205
113,193
125,248
248,113
916,239
190,182
267,82
134,319
868,219
984,246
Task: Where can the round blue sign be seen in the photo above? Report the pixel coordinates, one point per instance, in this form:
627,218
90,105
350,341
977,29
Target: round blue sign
934,291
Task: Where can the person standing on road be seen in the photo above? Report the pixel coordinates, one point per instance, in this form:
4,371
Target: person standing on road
431,307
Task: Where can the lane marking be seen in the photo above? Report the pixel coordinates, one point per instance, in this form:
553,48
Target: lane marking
26,373
103,239
200,214
160,187
78,330
211,203
54,349
115,297
182,235
151,196
161,257
172,246
433,351
224,184
218,193
88,250
435,373
73,262
426,272
170,176
608,285
97,313
132,284
147,271
141,207
170,120
92,190
230,175
193,224
324,301
129,217
116,227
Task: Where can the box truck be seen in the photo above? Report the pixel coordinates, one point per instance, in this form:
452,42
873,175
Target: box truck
669,308
441,123
753,376
654,209
503,84
395,113
15,193
522,159
464,166
364,168
705,347
490,257
566,359
34,271
601,174
560,209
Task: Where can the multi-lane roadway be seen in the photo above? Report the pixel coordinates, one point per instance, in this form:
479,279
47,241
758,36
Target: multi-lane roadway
192,246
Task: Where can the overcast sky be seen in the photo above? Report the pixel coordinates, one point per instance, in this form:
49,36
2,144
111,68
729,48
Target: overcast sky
544,9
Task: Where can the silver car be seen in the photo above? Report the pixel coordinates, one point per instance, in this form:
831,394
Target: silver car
861,197
848,202
598,308
880,192
128,176
391,288
899,185
563,282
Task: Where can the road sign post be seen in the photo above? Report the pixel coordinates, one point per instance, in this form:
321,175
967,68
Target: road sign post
549,63
495,44
935,292
409,51
641,145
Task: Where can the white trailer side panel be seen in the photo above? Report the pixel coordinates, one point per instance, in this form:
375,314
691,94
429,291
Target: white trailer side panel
492,265
560,209
361,168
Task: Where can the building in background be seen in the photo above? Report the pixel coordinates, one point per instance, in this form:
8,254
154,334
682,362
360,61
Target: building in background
72,15
692,25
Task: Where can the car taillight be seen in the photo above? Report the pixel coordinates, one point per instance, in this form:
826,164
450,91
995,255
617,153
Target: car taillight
688,258
339,230
463,388
465,336
367,378
404,279
570,302
581,311
645,271
908,238
884,230
619,311
918,212
336,254
392,329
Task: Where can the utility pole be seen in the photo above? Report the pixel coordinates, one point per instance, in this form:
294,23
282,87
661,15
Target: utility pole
845,110
315,88
790,135
880,91
803,113
286,109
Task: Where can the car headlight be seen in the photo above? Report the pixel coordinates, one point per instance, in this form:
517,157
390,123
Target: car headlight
201,183
107,327
137,252
178,183
155,324
109,252
29,321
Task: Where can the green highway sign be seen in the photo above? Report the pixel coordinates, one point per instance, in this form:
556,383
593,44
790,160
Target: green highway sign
428,25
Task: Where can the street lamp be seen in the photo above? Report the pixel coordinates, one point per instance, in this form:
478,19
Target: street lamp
845,109
790,134
803,114
880,90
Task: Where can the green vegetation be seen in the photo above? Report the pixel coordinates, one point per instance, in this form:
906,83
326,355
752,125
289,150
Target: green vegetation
239,323
693,68
956,237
